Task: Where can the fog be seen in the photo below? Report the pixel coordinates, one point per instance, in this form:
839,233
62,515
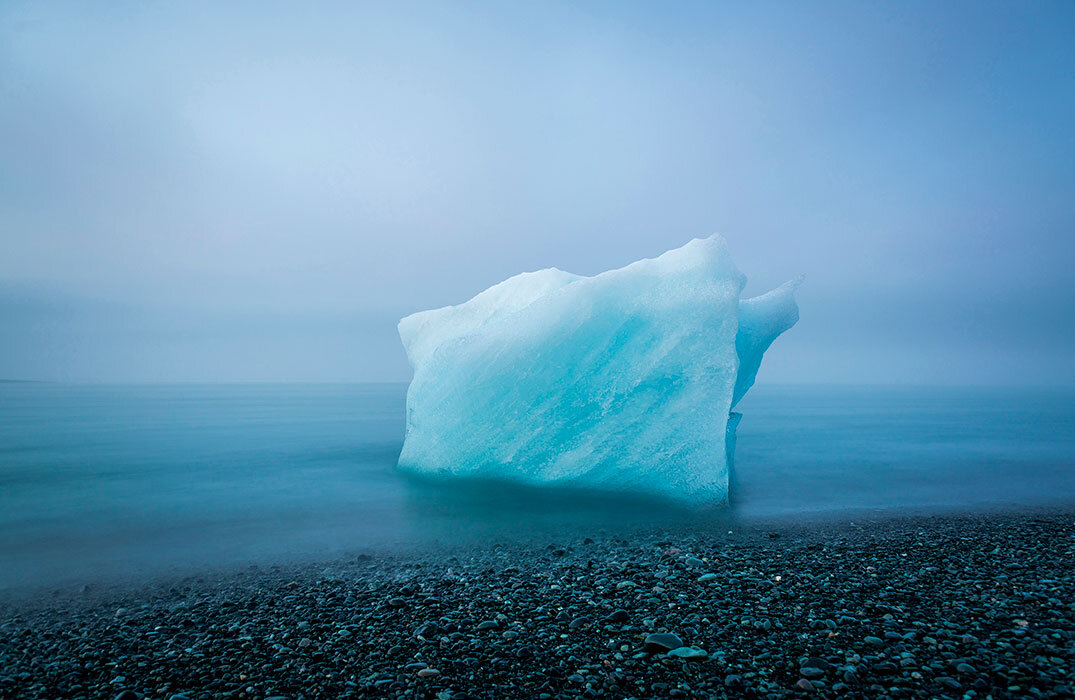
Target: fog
257,192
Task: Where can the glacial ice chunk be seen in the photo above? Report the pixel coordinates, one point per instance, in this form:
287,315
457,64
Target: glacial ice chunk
623,381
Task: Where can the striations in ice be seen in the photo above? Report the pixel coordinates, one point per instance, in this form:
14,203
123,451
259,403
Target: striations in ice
623,381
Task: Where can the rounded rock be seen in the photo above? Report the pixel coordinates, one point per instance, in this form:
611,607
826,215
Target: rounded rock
662,642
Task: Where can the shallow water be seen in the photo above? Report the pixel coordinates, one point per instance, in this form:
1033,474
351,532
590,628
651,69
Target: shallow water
104,482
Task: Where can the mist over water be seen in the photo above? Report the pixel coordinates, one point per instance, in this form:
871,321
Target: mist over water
216,192
105,482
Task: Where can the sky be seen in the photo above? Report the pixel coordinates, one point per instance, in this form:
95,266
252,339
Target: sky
259,191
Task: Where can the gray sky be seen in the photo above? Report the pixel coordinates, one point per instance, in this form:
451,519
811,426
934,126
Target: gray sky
252,191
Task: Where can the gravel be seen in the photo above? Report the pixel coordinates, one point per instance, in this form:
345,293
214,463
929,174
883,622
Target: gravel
926,606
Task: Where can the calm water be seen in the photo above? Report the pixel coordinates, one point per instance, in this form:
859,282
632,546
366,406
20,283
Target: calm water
99,482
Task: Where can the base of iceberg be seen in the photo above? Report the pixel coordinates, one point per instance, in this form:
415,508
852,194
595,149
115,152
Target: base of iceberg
624,381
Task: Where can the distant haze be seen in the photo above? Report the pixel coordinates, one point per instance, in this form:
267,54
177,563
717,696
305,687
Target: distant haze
252,191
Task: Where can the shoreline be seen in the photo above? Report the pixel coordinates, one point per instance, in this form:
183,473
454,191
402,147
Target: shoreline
487,528
879,604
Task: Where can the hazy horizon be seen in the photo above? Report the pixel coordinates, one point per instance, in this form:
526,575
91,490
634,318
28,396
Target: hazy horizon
216,193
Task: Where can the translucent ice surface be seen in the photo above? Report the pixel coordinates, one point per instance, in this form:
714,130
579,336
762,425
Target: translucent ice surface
623,381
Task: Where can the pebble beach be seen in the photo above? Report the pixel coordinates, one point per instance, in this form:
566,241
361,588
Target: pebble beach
928,606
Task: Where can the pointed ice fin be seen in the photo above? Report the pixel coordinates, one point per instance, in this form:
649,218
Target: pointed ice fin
761,320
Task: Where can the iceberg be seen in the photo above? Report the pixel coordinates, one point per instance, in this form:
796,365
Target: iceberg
624,381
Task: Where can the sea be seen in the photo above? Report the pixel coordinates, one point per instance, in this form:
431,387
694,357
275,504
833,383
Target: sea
112,483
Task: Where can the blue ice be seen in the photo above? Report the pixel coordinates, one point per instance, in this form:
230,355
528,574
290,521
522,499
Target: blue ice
624,381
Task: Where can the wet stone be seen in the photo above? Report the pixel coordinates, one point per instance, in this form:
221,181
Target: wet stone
662,642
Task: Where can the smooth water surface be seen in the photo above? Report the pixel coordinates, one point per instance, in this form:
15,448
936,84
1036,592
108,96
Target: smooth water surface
102,482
